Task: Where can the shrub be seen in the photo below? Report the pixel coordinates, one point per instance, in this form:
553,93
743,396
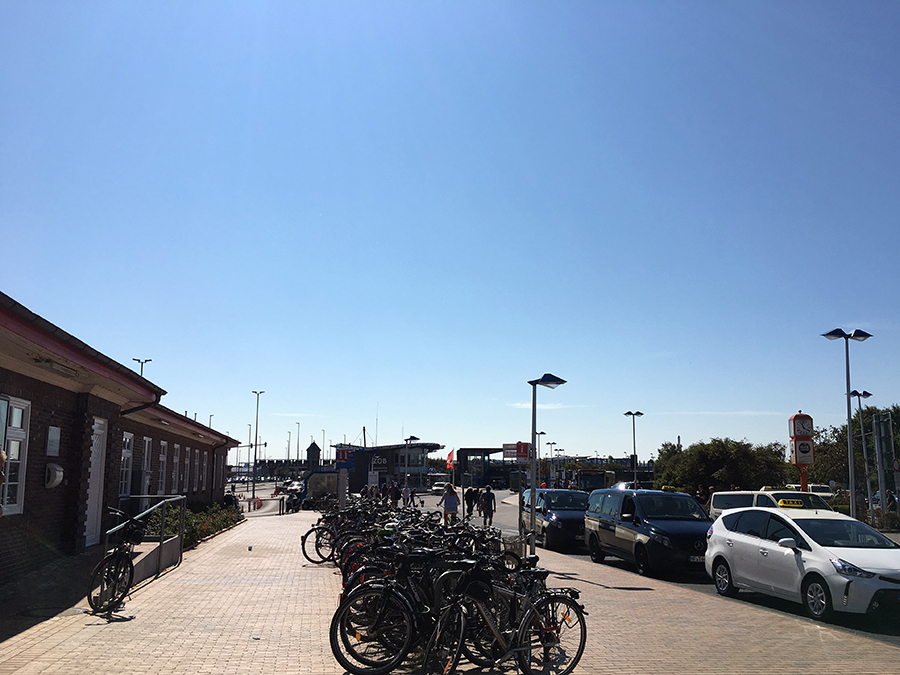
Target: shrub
200,521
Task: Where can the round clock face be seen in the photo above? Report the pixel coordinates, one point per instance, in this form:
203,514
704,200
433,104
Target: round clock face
803,427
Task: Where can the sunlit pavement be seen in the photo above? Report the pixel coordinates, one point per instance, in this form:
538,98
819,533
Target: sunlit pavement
247,601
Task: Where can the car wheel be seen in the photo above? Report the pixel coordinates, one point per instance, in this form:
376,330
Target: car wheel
548,539
642,561
722,577
597,554
817,598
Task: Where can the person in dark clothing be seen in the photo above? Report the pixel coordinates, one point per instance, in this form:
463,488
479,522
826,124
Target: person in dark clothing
471,500
488,503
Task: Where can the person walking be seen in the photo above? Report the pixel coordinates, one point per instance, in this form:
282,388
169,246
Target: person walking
471,498
405,494
488,503
450,502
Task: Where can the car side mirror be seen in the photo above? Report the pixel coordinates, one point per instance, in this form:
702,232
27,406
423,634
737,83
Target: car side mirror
788,542
627,516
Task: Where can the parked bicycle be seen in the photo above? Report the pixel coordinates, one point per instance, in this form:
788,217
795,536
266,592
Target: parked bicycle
112,577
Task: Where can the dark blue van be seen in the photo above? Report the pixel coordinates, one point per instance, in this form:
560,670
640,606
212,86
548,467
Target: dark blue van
558,518
656,530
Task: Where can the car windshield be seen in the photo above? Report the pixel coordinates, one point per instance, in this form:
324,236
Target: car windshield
671,507
810,500
567,501
843,533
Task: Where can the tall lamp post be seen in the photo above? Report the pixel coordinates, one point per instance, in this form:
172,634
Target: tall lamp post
550,455
298,446
859,336
256,440
406,459
862,430
636,413
551,382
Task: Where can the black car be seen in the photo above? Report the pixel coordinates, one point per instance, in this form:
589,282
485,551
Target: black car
655,530
558,518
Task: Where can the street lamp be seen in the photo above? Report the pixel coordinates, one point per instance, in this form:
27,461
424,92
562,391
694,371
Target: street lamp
210,422
862,430
406,458
142,362
636,413
557,465
551,382
859,336
298,446
256,440
550,454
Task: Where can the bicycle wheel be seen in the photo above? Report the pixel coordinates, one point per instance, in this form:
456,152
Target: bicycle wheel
110,582
553,635
443,648
310,546
478,646
371,632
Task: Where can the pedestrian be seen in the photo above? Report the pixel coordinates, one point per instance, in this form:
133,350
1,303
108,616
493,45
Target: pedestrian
412,495
891,500
405,494
394,494
471,498
450,502
488,504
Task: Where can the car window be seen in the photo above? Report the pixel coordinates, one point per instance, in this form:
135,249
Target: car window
729,520
568,501
752,523
671,507
540,502
724,501
596,501
612,503
628,506
810,500
844,533
765,500
777,529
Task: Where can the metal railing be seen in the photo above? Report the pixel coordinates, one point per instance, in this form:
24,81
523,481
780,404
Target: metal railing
168,548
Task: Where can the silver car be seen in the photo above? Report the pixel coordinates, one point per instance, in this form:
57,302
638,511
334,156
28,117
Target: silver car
822,559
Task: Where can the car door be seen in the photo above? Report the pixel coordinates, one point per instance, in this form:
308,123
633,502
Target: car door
626,533
540,517
608,519
742,547
779,569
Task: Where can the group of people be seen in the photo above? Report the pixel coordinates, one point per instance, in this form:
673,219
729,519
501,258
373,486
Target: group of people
392,493
485,501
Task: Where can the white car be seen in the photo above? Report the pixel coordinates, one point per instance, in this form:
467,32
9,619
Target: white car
822,559
438,488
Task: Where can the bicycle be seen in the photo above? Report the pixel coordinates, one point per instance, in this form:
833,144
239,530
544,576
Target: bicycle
112,577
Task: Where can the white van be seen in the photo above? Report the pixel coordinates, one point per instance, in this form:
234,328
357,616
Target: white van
775,498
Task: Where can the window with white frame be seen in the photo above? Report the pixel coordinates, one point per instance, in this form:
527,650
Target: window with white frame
15,415
176,467
205,469
125,471
196,469
163,451
185,481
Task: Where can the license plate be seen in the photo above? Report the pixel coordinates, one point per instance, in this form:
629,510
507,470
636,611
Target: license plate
579,537
696,558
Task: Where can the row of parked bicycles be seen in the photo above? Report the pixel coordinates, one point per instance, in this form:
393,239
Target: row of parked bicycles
421,595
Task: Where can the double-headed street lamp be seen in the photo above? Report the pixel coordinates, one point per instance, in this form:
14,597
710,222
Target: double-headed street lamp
636,413
142,362
859,336
551,382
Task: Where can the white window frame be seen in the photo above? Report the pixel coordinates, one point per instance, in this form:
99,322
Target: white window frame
176,468
15,468
163,452
196,469
205,470
186,478
125,468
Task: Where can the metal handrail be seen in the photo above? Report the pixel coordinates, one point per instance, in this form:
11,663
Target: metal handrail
162,505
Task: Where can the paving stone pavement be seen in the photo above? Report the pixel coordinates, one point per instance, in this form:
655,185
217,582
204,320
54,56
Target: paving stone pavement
248,602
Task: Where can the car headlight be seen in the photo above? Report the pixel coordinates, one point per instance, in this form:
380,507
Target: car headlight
661,539
849,569
555,521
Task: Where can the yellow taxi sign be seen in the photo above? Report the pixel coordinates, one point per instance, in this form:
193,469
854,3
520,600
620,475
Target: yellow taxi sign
790,503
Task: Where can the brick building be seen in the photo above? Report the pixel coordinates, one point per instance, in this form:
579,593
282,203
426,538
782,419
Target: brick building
83,432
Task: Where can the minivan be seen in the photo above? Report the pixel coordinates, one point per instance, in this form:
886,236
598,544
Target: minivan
653,529
558,518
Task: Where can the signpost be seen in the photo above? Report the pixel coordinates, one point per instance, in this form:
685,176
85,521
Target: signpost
800,428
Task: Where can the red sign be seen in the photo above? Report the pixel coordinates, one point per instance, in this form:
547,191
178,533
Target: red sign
522,451
450,460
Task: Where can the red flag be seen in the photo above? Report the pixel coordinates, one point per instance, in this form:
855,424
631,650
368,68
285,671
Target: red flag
450,460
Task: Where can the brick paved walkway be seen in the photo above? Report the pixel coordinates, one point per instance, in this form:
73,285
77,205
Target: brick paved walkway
230,609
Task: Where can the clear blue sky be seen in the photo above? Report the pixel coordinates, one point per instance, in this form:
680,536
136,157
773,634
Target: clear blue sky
395,214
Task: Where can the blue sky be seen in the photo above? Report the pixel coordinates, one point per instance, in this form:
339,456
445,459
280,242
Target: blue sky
395,214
